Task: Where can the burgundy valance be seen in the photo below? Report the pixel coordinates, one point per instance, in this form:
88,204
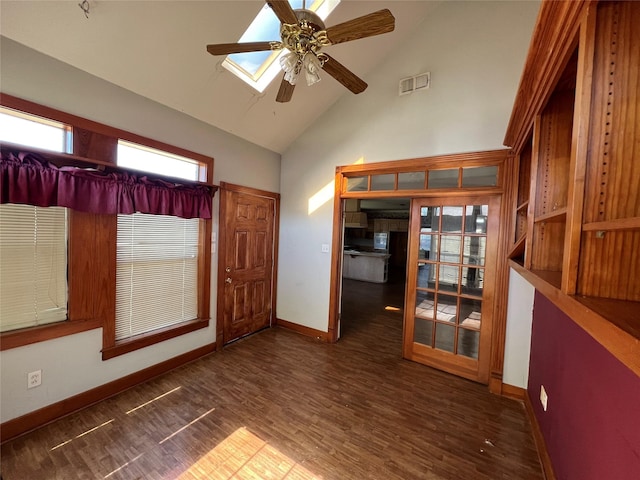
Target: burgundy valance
29,178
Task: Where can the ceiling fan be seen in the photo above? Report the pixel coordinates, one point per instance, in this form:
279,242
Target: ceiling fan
304,35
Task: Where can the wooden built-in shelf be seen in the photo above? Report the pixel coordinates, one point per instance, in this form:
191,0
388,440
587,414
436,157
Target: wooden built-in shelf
558,215
523,207
518,248
551,277
622,313
613,323
632,223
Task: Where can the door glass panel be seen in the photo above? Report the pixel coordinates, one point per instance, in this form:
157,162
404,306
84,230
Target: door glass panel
429,217
424,304
383,182
449,281
472,281
426,275
447,308
470,312
411,181
474,250
357,184
423,332
468,342
452,219
476,219
480,176
448,278
444,337
443,178
428,247
450,248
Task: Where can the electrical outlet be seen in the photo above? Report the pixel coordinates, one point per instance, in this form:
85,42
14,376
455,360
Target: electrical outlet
325,248
544,398
34,379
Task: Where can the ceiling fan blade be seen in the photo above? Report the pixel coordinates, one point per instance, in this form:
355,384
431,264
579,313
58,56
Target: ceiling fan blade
345,76
285,92
369,25
283,11
228,48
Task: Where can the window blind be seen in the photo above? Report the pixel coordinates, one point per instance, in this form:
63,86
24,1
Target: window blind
33,266
157,272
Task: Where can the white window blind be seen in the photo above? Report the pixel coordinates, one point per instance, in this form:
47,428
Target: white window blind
33,266
157,273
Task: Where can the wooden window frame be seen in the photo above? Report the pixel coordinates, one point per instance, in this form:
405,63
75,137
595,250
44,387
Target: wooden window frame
92,246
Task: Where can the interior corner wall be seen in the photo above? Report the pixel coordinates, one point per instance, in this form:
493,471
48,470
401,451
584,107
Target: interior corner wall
73,364
475,52
518,335
591,424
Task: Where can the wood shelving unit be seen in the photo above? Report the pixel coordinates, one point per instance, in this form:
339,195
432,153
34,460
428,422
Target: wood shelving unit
574,129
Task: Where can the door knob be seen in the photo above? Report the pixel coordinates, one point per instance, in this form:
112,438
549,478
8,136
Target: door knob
228,280
228,269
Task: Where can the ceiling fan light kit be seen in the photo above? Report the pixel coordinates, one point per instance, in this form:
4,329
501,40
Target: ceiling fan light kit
303,34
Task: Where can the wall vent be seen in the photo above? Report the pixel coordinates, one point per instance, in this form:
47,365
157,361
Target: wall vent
412,84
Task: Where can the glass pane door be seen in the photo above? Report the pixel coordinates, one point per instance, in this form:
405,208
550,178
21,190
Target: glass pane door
449,312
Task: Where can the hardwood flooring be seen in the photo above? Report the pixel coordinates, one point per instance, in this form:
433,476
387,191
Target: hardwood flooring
279,405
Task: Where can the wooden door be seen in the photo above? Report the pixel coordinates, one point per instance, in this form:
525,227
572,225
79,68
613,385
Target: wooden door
451,275
246,262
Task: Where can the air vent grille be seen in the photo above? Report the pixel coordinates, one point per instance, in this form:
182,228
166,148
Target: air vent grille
412,84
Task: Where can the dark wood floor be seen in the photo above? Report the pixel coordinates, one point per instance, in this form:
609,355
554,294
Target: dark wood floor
280,405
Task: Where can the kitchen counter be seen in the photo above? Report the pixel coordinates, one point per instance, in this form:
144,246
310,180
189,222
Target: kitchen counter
365,266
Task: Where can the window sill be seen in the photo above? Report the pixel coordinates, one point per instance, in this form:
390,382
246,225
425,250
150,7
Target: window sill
151,338
28,336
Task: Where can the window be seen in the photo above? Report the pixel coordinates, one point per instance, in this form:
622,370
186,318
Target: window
258,69
75,260
33,240
139,157
161,286
33,131
33,259
157,273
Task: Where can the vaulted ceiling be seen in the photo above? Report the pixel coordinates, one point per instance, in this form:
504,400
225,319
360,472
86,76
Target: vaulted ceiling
157,49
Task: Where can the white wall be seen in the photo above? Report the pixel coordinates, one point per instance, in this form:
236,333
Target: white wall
475,52
518,337
73,364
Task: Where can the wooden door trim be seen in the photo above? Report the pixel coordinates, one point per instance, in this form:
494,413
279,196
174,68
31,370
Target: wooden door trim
230,187
467,159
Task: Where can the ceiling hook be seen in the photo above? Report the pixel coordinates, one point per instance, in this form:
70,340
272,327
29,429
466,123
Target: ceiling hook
85,7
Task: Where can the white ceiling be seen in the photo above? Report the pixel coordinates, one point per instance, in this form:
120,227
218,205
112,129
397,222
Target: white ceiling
157,49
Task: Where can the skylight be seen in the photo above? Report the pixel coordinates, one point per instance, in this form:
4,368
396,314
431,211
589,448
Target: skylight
259,69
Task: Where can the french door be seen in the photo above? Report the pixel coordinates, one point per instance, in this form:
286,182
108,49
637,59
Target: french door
450,284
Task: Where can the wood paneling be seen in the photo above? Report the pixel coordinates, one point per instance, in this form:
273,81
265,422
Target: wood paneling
95,145
556,124
609,265
613,175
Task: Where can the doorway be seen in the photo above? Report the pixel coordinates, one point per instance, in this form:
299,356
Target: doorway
375,248
475,326
247,261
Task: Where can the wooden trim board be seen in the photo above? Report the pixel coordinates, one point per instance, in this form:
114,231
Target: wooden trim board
306,331
543,453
